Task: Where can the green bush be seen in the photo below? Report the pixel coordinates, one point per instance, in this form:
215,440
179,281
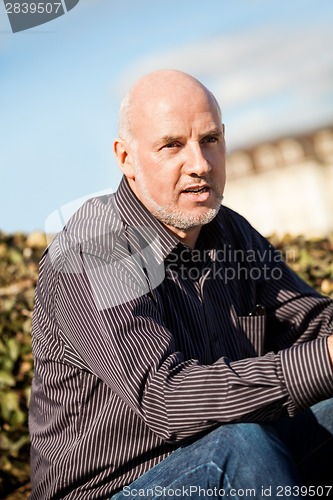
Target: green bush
312,259
19,257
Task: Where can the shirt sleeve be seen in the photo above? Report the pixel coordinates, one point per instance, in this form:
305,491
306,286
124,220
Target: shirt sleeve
308,372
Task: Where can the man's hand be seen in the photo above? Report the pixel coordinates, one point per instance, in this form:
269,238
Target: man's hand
330,347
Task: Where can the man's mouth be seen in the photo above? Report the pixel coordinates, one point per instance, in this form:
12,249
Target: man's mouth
197,193
196,189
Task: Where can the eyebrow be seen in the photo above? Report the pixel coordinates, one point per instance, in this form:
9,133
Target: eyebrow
166,139
214,132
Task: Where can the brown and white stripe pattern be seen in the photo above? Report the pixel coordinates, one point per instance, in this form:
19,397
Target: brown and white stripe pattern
139,344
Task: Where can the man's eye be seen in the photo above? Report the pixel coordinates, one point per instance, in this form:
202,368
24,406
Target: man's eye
171,145
210,138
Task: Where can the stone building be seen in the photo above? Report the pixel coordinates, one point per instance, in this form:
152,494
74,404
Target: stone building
285,185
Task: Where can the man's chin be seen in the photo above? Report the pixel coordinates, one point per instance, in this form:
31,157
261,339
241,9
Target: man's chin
185,221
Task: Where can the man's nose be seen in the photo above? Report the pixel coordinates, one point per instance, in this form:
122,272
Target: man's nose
196,162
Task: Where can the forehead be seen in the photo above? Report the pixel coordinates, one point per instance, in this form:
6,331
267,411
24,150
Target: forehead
178,113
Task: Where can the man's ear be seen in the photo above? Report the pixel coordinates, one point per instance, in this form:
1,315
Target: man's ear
124,157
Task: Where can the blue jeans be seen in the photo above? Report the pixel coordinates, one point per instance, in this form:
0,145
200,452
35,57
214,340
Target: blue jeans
289,458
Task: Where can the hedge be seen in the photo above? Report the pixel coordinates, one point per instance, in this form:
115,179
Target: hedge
312,259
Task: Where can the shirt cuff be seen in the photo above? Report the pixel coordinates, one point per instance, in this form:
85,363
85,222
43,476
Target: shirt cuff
308,372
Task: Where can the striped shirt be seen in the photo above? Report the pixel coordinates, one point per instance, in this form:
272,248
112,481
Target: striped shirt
141,343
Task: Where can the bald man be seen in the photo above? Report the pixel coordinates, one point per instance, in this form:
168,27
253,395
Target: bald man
175,353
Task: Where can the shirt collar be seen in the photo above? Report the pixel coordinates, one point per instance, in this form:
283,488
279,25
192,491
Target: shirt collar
135,214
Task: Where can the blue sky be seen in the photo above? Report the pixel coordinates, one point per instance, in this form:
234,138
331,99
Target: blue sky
269,63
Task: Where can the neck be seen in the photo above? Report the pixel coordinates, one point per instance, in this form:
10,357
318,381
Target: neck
189,237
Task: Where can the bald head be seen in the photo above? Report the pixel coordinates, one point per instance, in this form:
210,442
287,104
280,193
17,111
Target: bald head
156,88
171,150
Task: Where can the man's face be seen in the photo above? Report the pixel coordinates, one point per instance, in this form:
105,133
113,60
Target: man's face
179,160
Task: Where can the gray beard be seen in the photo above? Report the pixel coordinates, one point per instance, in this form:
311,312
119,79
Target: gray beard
180,220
